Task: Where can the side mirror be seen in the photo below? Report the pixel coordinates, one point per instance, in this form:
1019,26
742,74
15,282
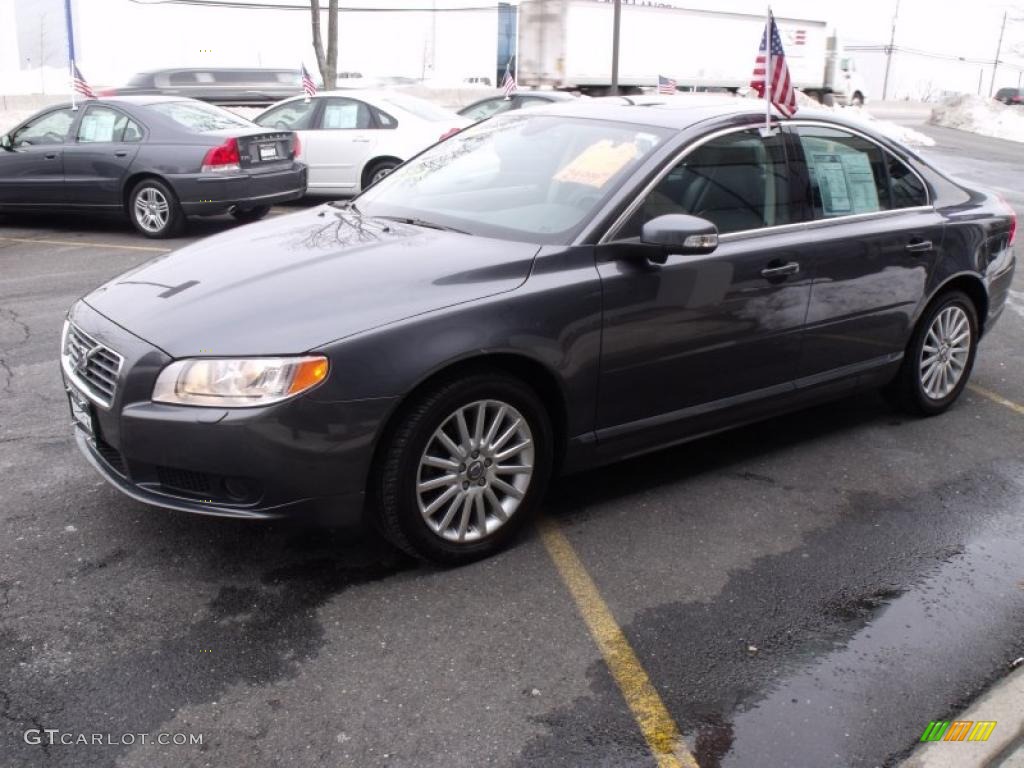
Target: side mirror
680,234
5,142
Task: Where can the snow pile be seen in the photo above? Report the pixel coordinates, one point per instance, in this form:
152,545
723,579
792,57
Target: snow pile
901,133
979,115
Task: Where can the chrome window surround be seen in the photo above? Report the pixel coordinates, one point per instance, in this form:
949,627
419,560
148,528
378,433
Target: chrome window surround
82,385
746,233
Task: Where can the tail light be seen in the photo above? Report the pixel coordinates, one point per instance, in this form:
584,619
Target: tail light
1013,220
1015,99
449,132
296,146
222,158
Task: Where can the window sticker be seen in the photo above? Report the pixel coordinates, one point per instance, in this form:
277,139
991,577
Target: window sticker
97,126
846,182
595,165
341,116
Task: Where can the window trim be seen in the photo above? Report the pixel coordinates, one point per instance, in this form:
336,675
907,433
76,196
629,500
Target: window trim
612,231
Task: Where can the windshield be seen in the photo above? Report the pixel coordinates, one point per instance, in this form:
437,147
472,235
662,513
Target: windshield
197,116
537,178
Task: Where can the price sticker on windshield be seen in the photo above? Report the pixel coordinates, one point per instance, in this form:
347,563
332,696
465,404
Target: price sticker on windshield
595,165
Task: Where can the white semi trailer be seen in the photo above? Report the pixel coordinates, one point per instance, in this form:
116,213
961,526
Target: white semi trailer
567,45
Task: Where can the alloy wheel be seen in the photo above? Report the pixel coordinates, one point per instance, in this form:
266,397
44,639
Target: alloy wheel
475,471
946,350
152,210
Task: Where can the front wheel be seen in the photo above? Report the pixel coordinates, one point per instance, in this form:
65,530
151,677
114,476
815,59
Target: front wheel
154,209
940,356
464,469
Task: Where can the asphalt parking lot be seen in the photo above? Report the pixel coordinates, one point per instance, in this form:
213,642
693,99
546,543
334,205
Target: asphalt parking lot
808,591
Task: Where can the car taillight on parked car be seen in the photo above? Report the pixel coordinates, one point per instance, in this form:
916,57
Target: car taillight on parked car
222,158
449,132
296,146
1013,220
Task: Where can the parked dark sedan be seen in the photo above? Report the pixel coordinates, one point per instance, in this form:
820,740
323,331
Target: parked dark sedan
234,86
546,291
493,105
154,158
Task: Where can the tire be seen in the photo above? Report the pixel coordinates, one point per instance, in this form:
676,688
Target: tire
378,171
154,209
442,524
251,214
916,388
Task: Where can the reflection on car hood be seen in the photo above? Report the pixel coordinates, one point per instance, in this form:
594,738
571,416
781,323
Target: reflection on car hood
295,282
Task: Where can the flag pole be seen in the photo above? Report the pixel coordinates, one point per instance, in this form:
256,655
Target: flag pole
768,74
71,49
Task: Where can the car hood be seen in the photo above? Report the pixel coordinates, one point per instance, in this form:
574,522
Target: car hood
296,282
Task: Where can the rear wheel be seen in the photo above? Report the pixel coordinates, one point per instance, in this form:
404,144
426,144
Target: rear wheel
251,214
154,210
939,359
464,469
378,171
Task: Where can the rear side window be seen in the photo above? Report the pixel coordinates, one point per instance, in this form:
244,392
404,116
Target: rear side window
198,116
847,173
907,188
345,114
738,182
384,120
102,124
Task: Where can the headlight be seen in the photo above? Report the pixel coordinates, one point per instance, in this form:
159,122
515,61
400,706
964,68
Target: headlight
236,383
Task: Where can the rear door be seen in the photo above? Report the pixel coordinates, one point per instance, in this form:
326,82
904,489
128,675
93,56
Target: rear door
872,244
32,170
341,142
97,158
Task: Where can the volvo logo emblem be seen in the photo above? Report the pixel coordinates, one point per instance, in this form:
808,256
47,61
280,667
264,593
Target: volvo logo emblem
83,360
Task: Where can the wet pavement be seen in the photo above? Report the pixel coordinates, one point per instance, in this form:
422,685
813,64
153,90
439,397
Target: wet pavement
808,591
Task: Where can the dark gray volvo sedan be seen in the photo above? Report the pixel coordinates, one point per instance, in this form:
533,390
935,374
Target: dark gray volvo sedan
154,158
547,291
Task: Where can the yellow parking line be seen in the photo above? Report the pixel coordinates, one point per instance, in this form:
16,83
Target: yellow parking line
995,398
84,244
657,725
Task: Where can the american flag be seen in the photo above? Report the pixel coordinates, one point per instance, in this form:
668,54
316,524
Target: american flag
666,85
508,82
307,82
780,90
79,84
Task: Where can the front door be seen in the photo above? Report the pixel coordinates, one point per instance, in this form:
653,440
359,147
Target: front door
97,159
337,149
699,335
872,247
32,169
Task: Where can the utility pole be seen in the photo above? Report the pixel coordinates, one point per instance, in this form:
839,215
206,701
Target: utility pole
615,47
999,50
888,51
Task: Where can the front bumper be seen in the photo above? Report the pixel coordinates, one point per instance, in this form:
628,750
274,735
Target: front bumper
299,458
213,194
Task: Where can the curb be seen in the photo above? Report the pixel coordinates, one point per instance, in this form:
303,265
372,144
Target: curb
1003,703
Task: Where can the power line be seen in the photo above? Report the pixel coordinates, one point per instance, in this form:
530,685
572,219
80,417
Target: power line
242,5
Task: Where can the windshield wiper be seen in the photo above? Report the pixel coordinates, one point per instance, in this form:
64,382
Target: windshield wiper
423,223
345,205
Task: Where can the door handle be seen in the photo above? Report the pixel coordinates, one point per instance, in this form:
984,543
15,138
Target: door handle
783,270
120,153
919,246
50,155
360,141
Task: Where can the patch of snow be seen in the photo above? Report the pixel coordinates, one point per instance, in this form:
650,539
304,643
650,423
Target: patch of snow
979,115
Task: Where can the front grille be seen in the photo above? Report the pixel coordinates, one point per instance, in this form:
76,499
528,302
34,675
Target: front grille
94,365
174,479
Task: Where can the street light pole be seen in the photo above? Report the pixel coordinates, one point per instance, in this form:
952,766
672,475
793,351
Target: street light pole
616,21
888,51
999,50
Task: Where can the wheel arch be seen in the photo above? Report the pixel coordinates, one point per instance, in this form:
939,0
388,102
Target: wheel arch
132,181
364,175
968,283
529,370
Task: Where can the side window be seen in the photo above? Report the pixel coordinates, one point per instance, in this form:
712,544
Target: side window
181,78
907,189
739,181
132,132
846,172
101,124
384,120
345,114
293,116
51,128
488,108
